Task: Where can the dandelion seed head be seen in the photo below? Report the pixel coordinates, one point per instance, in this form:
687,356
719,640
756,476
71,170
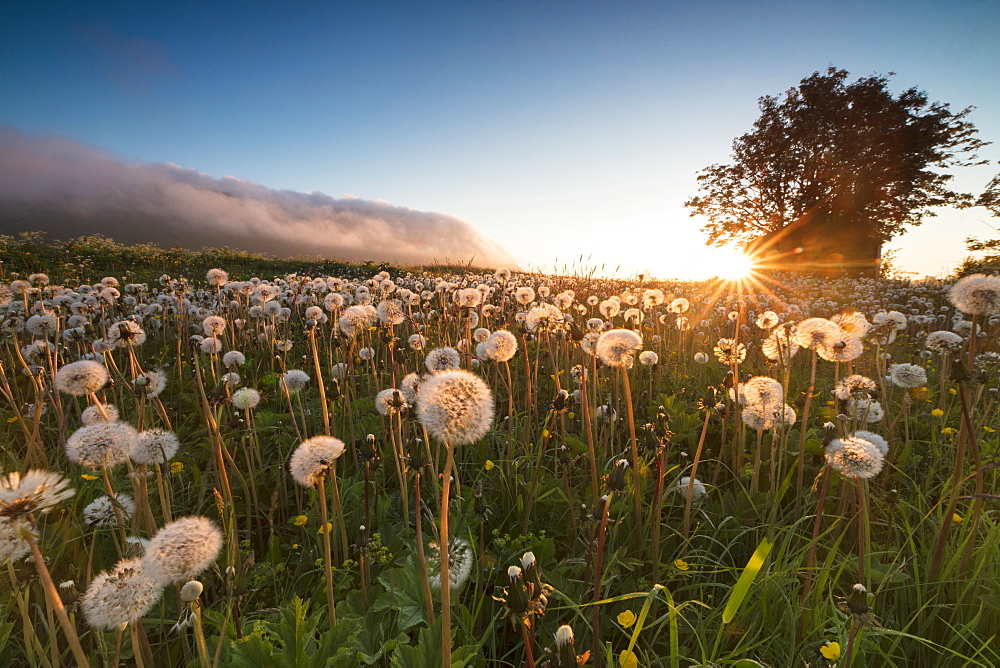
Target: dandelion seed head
456,407
728,351
943,341
410,387
101,444
155,382
767,320
542,317
210,346
853,323
155,446
213,325
891,320
615,346
295,379
609,308
874,439
460,562
500,346
182,550
854,385
234,358
122,595
977,294
698,490
92,414
101,511
442,359
12,545
390,402
907,375
813,333
81,378
37,491
245,398
217,277
679,305
854,457
126,333
524,295
314,458
191,591
416,342
390,312
41,325
869,410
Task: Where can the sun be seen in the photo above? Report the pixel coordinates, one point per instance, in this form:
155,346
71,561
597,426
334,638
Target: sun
734,266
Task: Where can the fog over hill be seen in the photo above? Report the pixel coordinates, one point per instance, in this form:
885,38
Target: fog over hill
67,189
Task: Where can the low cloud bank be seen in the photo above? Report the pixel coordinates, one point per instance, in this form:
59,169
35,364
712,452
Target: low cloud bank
66,189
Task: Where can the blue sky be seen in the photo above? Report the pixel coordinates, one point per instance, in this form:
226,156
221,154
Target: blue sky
560,129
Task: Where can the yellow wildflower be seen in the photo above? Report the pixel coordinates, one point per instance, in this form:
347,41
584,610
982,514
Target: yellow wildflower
956,518
628,659
937,412
300,520
626,619
87,476
830,650
681,565
177,467
489,465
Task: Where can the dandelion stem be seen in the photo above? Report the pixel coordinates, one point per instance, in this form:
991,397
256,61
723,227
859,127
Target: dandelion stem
199,636
136,649
56,602
694,471
327,559
802,434
529,659
421,559
636,489
598,572
445,575
862,532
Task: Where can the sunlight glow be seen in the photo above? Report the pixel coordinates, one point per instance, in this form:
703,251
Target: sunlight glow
734,267
698,263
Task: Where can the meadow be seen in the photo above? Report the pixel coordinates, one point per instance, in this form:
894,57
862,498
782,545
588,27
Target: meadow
222,459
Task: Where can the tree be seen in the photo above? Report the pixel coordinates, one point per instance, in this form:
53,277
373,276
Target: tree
990,262
849,159
991,196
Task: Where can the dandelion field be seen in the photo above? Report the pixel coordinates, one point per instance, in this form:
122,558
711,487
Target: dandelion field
243,463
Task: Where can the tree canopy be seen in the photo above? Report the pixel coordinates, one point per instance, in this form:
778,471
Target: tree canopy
991,196
848,156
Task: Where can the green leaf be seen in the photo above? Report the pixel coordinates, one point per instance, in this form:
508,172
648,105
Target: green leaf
253,650
291,641
749,574
427,652
404,594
